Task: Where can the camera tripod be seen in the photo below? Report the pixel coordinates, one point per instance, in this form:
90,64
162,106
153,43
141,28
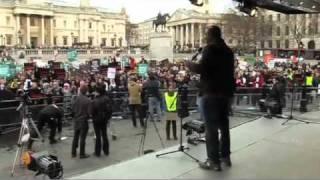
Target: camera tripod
291,117
24,135
144,133
181,147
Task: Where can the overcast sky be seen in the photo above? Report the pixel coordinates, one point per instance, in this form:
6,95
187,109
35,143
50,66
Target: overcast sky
140,10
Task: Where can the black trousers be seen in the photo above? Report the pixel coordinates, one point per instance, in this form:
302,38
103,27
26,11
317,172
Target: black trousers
79,134
133,109
215,110
100,129
54,124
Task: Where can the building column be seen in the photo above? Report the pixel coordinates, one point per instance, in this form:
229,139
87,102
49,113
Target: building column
42,31
51,31
83,30
98,34
181,36
85,36
80,30
192,35
187,34
28,31
18,29
174,30
200,35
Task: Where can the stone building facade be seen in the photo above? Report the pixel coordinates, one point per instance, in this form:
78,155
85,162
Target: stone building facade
283,31
36,23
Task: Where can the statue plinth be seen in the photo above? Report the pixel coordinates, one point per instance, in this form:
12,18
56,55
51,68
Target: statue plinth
161,46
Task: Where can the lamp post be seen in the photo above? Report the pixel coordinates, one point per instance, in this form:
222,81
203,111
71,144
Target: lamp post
72,39
120,42
18,39
4,40
115,40
1,37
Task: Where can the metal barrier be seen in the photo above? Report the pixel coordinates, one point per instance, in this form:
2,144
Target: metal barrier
120,103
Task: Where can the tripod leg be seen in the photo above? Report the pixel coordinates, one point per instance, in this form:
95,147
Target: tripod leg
36,129
158,133
20,145
159,155
141,145
191,156
181,147
143,137
15,161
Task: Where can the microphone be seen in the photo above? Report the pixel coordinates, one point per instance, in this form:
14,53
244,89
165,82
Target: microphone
195,2
194,57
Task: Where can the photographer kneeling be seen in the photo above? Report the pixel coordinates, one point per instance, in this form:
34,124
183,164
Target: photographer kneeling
51,115
276,99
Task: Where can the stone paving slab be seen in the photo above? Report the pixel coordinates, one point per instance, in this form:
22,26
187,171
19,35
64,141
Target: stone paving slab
262,149
123,149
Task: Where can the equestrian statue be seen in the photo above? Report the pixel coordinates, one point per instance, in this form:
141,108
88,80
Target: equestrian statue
161,21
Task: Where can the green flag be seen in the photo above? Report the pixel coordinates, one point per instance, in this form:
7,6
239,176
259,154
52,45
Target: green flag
143,69
72,55
4,70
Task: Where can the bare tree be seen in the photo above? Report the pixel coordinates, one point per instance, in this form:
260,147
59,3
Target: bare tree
297,28
240,28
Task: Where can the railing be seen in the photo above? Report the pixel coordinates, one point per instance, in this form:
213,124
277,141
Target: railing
30,52
61,54
50,53
244,100
47,52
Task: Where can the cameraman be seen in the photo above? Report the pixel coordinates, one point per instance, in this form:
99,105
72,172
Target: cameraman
152,91
276,99
51,115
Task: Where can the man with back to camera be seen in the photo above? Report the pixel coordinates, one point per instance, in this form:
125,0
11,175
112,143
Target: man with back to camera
81,115
101,110
216,69
152,88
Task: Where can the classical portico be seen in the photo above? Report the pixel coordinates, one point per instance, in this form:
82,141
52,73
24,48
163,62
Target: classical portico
188,34
33,29
188,28
38,23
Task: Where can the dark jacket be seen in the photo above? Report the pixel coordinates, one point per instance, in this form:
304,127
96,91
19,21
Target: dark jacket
152,88
101,109
217,70
277,94
50,111
81,112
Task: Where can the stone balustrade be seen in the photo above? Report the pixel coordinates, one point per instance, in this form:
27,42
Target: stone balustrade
83,54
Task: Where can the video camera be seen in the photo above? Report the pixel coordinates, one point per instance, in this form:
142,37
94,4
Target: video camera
194,126
43,164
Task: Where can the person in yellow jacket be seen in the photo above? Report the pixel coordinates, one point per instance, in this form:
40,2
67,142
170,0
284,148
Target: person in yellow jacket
171,97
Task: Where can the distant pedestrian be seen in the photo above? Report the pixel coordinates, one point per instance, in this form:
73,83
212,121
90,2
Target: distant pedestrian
101,110
152,88
171,97
81,115
135,90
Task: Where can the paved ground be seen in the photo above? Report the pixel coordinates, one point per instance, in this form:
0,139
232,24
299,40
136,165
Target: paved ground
122,149
261,149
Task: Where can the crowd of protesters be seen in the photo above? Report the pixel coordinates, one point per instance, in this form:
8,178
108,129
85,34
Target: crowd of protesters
164,75
250,76
257,75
